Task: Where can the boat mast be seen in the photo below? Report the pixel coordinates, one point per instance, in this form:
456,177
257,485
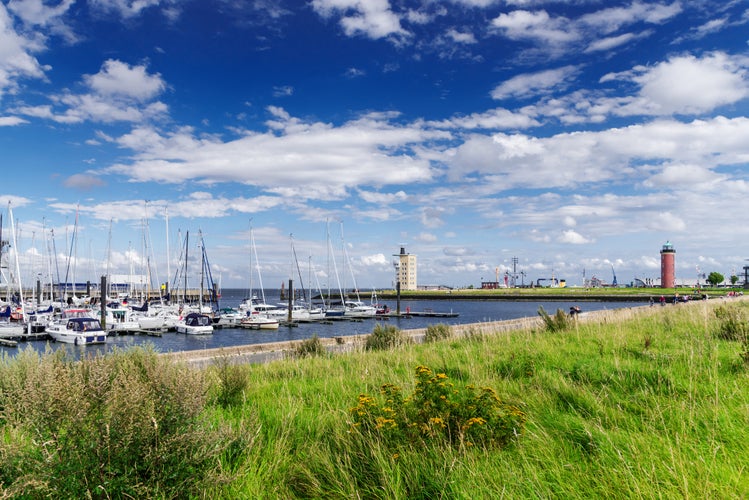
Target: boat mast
298,271
347,261
18,265
49,260
73,244
168,255
2,273
184,292
252,267
202,268
257,266
105,293
335,269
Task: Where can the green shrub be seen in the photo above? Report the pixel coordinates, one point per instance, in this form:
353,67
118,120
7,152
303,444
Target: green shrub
438,413
438,332
125,425
309,348
557,323
385,337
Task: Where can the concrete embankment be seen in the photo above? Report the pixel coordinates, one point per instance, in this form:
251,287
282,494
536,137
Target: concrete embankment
261,353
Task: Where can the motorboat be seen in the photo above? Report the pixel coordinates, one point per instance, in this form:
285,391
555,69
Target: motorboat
358,309
195,324
78,330
257,321
229,318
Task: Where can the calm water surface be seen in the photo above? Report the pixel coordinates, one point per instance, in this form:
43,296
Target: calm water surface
468,312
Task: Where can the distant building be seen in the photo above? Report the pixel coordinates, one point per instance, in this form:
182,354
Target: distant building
405,270
668,266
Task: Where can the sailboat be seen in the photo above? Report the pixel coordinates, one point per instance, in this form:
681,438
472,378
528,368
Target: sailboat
297,311
338,309
196,322
355,308
15,311
256,310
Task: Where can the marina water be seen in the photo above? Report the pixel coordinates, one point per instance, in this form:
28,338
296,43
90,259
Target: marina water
469,311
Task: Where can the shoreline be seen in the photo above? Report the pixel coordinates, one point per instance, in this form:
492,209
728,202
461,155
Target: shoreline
276,351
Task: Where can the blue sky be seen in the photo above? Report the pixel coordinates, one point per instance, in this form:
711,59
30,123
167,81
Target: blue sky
578,136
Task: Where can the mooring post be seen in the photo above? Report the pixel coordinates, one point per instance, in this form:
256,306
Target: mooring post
398,298
103,300
291,299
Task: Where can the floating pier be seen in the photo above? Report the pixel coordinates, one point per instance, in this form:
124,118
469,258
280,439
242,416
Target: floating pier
431,314
8,343
426,313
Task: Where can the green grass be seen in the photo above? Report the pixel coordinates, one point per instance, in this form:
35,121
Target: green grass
646,404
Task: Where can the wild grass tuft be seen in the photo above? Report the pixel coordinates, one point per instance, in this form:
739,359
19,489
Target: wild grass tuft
473,334
438,332
309,348
124,425
557,323
732,325
232,382
385,337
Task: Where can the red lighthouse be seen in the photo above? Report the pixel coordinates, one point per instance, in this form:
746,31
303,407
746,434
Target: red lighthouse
668,256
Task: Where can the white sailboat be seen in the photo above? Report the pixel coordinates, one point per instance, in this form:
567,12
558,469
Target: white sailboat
337,309
355,308
255,309
196,322
303,310
16,324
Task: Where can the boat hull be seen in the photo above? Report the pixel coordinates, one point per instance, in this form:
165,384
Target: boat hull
259,323
195,330
78,339
78,331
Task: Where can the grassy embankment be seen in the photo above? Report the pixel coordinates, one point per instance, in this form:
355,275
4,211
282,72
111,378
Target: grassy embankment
650,403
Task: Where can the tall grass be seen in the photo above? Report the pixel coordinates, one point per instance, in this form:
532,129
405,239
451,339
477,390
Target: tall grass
649,406
124,425
635,404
